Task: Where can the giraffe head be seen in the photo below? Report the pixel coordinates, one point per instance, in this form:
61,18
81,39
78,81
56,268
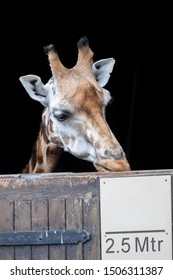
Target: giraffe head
74,115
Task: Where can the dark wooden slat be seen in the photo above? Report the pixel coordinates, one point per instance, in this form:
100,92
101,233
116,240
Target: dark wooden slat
57,221
91,216
40,222
6,224
74,222
22,223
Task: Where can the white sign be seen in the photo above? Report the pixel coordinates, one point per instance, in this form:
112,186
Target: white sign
136,219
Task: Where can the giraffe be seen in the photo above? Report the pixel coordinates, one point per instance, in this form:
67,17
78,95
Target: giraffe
73,120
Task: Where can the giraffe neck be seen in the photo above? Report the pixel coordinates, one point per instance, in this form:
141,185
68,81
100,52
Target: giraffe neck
45,156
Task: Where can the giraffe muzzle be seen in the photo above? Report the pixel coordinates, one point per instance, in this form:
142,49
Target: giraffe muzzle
112,165
112,159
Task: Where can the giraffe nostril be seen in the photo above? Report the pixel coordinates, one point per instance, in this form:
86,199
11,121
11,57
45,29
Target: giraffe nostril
122,154
115,154
108,154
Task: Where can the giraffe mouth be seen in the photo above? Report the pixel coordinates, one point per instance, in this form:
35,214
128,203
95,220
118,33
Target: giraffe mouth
112,165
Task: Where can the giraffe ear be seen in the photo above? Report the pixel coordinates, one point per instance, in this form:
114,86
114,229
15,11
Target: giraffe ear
34,87
102,69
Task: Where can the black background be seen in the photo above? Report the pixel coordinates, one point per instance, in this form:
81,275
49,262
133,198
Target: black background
139,38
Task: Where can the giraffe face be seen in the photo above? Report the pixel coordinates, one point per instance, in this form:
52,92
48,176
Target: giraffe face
75,101
76,121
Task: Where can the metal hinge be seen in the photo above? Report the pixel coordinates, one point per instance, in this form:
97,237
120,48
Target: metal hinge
43,237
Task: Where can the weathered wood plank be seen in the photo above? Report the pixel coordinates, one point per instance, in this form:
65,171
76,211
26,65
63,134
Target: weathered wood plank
91,216
74,222
40,222
57,222
6,224
22,219
37,189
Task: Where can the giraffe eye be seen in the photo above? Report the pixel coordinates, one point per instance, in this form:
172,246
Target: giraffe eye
61,116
